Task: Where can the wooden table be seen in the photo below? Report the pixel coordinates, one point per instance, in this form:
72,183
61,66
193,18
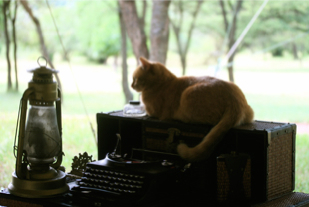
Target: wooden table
295,199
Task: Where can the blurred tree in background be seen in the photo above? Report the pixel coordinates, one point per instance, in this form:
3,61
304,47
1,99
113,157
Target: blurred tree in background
92,29
182,11
96,30
5,7
159,29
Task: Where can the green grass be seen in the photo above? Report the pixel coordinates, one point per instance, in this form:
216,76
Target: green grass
274,94
281,107
302,163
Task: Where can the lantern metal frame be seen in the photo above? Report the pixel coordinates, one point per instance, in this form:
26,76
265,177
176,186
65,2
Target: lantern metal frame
38,180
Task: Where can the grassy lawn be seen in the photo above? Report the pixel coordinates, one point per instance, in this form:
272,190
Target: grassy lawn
302,163
275,94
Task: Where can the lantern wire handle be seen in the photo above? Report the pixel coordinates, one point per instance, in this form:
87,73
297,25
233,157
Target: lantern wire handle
38,61
18,116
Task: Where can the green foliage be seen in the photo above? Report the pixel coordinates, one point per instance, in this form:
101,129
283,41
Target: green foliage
277,52
279,21
98,33
88,27
92,28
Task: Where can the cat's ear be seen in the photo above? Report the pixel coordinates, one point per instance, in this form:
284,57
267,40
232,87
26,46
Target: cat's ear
145,63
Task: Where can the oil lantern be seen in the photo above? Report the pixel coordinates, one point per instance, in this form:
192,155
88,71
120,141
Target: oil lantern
39,145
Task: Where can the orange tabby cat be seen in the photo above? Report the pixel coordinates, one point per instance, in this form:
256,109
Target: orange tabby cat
189,99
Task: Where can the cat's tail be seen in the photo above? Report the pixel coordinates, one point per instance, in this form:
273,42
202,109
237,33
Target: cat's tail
204,149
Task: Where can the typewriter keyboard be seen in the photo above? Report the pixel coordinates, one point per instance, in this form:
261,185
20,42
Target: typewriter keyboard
112,181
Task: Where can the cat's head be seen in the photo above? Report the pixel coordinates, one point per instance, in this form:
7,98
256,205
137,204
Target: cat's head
149,74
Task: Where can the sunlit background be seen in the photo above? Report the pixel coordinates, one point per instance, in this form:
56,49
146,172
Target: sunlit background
271,64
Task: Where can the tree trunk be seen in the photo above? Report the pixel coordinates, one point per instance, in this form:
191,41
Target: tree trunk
226,24
176,29
230,68
5,10
125,84
183,48
183,61
142,18
41,37
159,33
232,41
295,53
15,44
134,29
232,32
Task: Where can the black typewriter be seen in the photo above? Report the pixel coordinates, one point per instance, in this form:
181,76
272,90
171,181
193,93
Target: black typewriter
118,180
